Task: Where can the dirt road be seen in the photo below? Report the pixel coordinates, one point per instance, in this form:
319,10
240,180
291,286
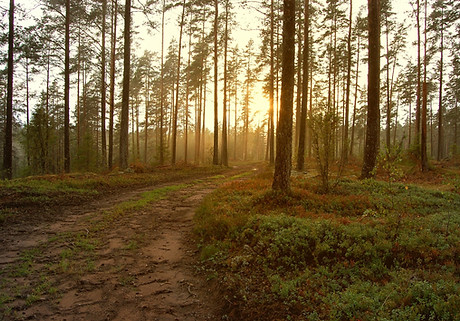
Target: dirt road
98,264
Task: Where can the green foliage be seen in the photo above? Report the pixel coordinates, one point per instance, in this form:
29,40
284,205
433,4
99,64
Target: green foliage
357,254
323,128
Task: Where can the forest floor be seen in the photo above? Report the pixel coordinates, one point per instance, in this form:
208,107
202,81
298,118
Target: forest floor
125,255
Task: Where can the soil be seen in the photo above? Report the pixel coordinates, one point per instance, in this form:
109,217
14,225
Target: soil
144,267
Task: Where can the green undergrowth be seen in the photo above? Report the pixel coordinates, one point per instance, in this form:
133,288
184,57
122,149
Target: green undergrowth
369,250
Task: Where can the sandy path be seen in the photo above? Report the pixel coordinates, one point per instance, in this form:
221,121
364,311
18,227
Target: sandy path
143,267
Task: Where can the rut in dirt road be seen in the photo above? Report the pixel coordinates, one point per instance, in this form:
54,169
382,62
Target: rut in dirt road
142,266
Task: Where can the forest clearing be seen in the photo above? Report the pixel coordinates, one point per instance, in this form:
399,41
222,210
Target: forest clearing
168,245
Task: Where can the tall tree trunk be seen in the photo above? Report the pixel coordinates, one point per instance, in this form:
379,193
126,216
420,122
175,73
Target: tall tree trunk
347,91
373,114
103,88
124,125
27,112
355,103
236,121
396,122
138,149
146,120
299,82
8,147
419,81
203,112
246,112
78,88
440,109
281,178
112,79
176,108
215,158
67,90
305,71
187,90
271,134
388,104
224,113
133,132
162,98
423,145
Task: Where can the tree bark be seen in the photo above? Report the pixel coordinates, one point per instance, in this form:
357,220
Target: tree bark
112,79
423,145
305,71
373,114
124,125
8,147
272,85
162,84
440,110
355,103
224,113
215,158
348,89
176,108
103,88
67,89
281,178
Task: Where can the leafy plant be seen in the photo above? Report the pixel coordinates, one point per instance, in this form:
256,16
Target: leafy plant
323,128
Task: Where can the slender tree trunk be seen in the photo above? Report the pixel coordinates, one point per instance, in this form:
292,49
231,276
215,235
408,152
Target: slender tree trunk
8,147
440,110
388,107
355,103
103,88
347,91
124,125
396,122
138,149
112,79
305,71
78,88
215,158
198,109
203,112
419,81
67,90
310,110
236,120
224,113
410,117
271,134
146,121
187,90
162,84
373,114
246,111
27,112
299,81
176,108
423,146
281,178
133,132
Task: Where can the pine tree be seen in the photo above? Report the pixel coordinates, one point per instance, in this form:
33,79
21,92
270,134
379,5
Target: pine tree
373,112
281,178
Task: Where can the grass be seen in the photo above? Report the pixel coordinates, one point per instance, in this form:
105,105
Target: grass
367,251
